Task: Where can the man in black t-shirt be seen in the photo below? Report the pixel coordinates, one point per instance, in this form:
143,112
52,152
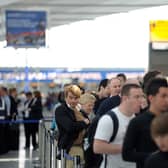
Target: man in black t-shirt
159,132
138,144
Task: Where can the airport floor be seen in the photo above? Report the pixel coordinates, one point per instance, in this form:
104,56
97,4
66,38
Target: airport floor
21,158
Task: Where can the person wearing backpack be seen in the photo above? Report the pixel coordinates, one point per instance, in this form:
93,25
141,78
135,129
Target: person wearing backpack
113,100
93,160
131,99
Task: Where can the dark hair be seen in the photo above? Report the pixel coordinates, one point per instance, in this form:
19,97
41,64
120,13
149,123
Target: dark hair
159,126
103,83
4,89
29,94
81,88
37,94
154,85
122,75
127,87
149,76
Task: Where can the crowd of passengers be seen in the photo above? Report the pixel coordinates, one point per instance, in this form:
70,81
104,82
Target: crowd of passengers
29,107
131,115
141,109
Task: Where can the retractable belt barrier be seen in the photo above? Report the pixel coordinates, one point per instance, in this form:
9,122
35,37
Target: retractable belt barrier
47,145
21,121
44,143
49,151
18,121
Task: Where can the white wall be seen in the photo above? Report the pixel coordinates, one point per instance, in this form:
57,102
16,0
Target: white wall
115,41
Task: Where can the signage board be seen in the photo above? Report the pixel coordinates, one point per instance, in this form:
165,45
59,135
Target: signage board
26,28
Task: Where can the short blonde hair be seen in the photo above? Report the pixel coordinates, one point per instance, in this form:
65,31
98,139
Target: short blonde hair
86,98
74,89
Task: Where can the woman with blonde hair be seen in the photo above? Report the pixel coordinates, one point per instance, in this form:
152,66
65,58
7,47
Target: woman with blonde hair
71,124
87,101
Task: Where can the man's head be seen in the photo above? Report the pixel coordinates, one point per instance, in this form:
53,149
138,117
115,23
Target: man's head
131,98
103,88
151,75
157,95
159,131
122,78
13,92
29,95
72,95
4,91
115,86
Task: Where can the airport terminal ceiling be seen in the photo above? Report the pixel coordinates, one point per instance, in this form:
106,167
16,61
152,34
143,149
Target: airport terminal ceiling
61,12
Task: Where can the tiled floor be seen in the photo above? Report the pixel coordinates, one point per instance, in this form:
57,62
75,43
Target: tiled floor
22,158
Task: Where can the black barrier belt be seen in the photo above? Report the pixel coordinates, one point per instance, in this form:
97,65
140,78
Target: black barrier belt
18,121
3,121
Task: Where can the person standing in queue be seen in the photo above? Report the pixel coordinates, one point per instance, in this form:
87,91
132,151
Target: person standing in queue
71,124
138,143
159,133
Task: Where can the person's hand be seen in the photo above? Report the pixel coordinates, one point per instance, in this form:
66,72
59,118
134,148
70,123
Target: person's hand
86,121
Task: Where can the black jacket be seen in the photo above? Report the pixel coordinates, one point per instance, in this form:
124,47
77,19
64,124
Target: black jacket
68,127
157,160
108,104
36,109
27,104
138,143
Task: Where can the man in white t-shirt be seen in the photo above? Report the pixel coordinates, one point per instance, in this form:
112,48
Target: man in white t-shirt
131,99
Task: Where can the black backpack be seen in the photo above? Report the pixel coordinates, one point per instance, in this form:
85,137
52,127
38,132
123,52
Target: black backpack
93,160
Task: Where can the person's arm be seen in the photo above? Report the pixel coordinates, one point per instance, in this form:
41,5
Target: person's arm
103,147
102,107
129,152
66,122
102,137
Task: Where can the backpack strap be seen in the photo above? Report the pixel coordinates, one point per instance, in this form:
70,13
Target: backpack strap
115,130
115,124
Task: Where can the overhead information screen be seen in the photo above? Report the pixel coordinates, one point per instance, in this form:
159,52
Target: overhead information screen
159,34
159,31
